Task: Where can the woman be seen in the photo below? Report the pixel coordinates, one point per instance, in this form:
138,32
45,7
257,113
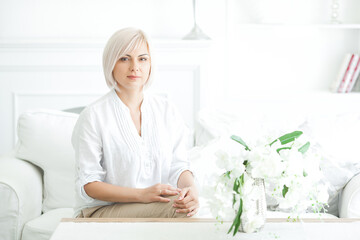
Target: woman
130,147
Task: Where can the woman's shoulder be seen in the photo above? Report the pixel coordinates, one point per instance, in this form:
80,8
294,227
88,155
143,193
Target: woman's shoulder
100,103
98,107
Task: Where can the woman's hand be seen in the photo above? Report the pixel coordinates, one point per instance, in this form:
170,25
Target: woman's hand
156,192
188,201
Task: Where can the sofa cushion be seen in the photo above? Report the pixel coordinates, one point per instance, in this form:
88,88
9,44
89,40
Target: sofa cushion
44,140
42,228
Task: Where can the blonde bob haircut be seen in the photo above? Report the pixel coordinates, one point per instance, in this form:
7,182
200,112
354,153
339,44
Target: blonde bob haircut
120,43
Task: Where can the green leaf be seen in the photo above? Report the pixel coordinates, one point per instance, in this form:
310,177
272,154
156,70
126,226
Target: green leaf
273,142
290,137
279,149
239,140
227,174
236,185
285,190
304,148
237,221
242,179
304,174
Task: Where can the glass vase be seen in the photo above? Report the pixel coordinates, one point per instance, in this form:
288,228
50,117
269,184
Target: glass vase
253,217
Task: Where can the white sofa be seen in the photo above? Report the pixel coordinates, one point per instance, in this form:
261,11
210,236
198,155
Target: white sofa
37,178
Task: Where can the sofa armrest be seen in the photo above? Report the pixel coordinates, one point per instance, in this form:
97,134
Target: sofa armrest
349,205
20,195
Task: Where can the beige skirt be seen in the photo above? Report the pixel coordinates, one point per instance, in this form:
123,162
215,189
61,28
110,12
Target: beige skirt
133,210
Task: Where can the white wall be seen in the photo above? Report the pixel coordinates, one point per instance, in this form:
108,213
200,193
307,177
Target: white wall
288,45
50,51
99,18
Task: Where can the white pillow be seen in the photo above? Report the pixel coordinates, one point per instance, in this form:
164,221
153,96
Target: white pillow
335,137
248,123
44,140
338,135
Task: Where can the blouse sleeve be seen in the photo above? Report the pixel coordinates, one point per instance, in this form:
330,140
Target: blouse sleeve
181,138
86,141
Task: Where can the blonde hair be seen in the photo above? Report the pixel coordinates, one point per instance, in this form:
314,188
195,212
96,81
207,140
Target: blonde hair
120,43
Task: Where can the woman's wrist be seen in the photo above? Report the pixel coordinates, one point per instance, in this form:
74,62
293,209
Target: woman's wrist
139,193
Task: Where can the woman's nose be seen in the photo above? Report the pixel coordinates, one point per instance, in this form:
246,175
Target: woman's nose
134,65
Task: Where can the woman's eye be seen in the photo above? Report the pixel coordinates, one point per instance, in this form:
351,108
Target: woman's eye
124,59
143,59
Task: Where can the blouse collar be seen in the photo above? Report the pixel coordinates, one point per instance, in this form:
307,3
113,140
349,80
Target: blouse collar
123,105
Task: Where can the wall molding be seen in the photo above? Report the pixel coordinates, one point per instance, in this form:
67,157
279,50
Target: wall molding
50,68
89,43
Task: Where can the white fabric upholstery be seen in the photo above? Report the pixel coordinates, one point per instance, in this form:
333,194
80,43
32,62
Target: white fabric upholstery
350,199
20,196
8,215
42,227
45,140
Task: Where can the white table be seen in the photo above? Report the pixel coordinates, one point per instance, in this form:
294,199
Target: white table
176,229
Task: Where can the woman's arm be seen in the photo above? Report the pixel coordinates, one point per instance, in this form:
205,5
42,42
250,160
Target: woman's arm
186,179
188,201
112,193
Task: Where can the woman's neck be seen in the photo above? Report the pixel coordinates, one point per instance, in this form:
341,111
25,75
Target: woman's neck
132,100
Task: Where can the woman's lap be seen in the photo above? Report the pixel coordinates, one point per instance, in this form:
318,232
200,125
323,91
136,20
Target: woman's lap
134,210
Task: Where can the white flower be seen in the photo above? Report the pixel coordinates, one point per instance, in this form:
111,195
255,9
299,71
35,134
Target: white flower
323,195
294,161
238,167
223,159
253,223
291,178
248,185
265,162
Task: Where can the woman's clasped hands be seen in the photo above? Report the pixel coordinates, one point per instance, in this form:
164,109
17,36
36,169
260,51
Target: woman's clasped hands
157,193
188,201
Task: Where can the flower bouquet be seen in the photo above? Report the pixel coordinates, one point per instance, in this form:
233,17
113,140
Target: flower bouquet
287,168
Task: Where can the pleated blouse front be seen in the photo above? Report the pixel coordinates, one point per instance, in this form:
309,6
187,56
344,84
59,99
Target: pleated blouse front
108,147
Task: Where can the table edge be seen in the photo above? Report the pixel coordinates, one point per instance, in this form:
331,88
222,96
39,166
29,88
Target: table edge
181,220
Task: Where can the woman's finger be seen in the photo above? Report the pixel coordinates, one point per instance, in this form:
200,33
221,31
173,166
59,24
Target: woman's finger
192,213
184,206
169,193
169,187
182,194
182,210
192,208
162,199
186,200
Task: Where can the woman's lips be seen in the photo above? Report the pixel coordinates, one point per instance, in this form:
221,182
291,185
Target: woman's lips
133,77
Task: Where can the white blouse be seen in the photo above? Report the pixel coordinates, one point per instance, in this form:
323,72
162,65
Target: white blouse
108,147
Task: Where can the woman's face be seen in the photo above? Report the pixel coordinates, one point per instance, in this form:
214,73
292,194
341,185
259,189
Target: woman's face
132,70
